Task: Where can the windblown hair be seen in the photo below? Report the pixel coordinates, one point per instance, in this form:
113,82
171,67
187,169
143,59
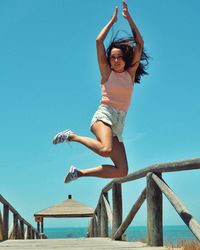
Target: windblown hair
127,46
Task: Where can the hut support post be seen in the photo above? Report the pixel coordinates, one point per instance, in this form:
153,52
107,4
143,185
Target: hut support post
38,226
42,225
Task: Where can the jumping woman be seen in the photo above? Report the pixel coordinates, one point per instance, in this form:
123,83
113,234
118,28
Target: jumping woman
121,65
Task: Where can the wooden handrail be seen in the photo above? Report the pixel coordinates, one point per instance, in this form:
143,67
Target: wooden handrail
18,231
156,168
13,210
153,193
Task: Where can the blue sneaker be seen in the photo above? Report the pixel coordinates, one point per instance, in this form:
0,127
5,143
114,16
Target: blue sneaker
62,136
72,175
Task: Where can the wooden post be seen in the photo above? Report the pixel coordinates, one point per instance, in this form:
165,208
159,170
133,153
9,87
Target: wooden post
99,220
33,233
5,221
104,217
37,235
22,229
131,215
38,220
42,225
10,232
38,226
15,226
28,232
108,210
1,227
91,228
154,213
117,208
95,225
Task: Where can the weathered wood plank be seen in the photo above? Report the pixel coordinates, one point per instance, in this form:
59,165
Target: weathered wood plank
76,244
179,207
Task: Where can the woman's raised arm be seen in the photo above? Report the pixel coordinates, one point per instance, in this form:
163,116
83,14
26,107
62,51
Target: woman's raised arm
138,39
101,53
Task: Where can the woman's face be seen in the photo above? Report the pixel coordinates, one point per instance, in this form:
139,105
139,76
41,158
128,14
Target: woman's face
116,60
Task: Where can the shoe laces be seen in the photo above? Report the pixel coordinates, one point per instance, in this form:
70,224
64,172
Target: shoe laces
74,173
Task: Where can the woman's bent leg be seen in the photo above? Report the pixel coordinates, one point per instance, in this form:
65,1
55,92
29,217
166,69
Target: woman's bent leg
102,145
105,145
119,169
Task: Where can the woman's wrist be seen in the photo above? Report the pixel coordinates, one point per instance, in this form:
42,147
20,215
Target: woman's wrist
111,22
129,19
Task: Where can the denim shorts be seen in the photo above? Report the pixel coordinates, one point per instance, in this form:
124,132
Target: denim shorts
113,117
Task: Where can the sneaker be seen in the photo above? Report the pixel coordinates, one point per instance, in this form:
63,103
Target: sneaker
72,175
62,136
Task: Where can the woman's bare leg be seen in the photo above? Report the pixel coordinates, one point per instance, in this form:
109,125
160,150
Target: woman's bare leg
119,169
102,145
105,145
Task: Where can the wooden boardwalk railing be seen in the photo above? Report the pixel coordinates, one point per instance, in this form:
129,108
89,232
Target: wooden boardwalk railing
20,228
152,193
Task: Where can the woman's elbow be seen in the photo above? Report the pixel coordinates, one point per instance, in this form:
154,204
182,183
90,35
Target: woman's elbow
99,40
141,43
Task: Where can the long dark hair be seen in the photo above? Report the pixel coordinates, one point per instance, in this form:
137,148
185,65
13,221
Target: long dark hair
127,46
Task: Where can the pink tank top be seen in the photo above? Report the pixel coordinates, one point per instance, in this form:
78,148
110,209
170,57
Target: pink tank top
117,90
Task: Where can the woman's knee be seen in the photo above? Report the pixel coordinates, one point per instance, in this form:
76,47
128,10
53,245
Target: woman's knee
123,172
106,151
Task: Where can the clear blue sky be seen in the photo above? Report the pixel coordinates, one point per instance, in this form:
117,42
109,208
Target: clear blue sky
49,81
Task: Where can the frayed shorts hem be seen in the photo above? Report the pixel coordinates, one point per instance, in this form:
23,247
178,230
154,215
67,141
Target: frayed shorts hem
111,116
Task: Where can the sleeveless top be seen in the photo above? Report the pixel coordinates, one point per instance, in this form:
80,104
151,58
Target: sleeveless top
117,91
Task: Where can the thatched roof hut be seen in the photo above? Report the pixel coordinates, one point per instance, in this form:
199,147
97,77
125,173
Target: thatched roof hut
67,209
